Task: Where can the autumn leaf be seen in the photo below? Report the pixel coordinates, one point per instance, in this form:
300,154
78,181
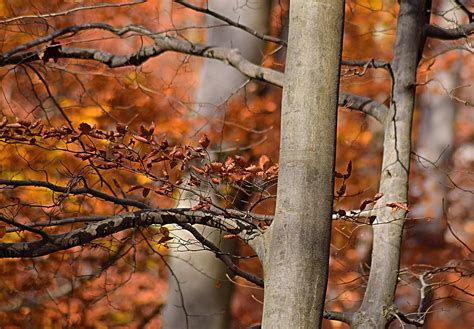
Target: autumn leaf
85,128
264,162
204,141
136,187
378,196
253,169
338,175
365,204
397,205
122,128
164,231
348,170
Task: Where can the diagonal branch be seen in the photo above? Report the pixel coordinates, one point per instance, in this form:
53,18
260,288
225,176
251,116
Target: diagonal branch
462,31
469,14
225,258
231,22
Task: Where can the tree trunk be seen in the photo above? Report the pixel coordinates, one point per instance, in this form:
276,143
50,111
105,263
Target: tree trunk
435,144
377,307
203,286
296,266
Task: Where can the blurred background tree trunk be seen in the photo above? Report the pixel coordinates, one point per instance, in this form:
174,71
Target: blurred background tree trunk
203,286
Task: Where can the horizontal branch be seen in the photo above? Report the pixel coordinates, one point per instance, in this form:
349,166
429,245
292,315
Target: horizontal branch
163,44
371,63
338,316
119,223
74,191
459,32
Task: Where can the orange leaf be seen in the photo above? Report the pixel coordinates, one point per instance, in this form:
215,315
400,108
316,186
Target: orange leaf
397,205
204,141
264,162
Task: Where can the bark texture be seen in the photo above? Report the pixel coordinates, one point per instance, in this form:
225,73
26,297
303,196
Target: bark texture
199,279
377,308
296,265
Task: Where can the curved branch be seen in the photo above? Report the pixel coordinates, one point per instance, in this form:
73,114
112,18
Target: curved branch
364,104
162,44
459,32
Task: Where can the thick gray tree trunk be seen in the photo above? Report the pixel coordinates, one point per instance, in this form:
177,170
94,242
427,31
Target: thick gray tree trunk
203,285
377,307
297,243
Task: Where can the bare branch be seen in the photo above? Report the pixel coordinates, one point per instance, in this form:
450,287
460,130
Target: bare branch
371,63
225,258
227,20
119,223
70,11
470,15
74,191
163,44
462,31
364,104
59,222
338,316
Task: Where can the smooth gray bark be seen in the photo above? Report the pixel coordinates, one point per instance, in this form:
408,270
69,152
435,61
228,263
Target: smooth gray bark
377,308
205,289
296,265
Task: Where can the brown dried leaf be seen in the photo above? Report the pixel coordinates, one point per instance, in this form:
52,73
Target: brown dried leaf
204,141
349,170
165,231
85,128
378,196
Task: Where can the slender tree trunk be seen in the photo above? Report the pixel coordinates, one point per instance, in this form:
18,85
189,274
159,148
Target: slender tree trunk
377,307
435,144
199,279
296,266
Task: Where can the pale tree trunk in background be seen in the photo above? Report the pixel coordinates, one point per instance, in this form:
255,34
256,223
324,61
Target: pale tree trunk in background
297,243
435,143
377,307
202,277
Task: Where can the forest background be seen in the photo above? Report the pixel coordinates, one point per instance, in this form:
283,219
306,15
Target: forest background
122,281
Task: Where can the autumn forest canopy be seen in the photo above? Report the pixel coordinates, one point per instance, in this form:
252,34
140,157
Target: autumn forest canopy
179,164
